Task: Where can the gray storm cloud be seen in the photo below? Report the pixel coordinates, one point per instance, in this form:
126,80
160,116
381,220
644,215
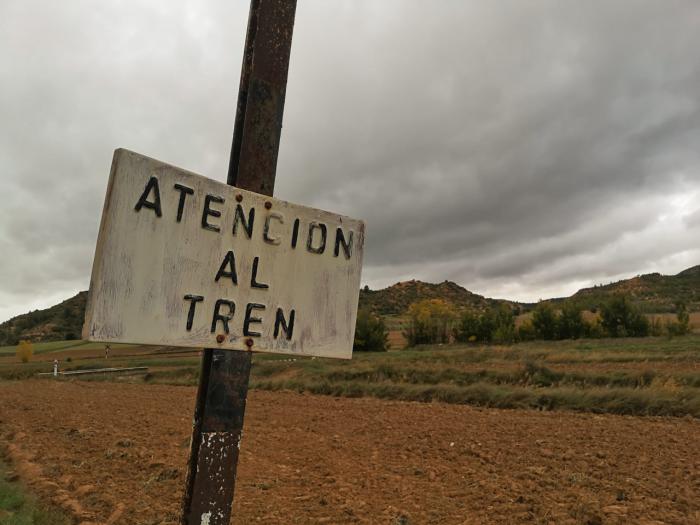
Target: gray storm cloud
522,149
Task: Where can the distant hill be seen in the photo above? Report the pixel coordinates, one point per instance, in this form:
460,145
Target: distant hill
396,299
60,322
654,293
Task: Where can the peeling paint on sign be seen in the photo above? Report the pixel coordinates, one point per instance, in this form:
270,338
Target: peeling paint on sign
183,260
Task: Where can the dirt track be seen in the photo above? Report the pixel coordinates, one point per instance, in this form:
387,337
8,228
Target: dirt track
116,453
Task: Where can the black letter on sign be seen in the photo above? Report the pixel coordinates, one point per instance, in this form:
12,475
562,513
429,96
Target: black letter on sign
223,318
152,184
288,328
266,229
193,299
248,319
229,260
254,276
247,224
184,192
295,233
310,240
208,211
347,246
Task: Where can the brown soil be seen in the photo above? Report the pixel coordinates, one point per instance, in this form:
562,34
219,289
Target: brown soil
115,453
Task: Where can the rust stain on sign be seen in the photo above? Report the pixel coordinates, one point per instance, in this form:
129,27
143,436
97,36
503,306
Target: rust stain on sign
183,260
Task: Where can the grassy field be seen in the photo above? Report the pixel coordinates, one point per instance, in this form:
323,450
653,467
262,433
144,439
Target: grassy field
650,376
17,507
643,376
58,346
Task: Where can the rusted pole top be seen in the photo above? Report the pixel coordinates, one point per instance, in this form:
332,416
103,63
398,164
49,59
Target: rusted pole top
258,124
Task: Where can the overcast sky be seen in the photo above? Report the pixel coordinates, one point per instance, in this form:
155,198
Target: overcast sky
523,149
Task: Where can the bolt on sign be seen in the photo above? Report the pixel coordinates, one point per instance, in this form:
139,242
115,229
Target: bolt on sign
183,260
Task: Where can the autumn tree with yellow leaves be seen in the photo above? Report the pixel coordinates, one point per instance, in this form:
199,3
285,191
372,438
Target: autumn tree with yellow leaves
24,351
430,322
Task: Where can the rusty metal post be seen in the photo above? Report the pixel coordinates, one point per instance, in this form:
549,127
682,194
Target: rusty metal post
223,387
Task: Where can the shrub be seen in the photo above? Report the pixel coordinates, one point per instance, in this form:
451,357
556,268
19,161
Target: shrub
504,334
683,318
681,325
24,351
656,327
370,333
526,331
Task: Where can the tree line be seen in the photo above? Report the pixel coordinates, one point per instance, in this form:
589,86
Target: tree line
435,321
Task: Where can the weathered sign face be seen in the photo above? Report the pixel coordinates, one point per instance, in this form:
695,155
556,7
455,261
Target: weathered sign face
183,260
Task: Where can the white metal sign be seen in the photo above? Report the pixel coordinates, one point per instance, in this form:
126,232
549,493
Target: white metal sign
183,260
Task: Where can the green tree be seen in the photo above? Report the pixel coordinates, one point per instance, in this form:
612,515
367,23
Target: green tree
683,318
370,332
544,321
681,325
570,324
468,328
487,326
503,325
620,318
495,324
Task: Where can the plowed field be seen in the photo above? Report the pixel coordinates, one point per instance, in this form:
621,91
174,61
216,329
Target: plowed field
115,453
